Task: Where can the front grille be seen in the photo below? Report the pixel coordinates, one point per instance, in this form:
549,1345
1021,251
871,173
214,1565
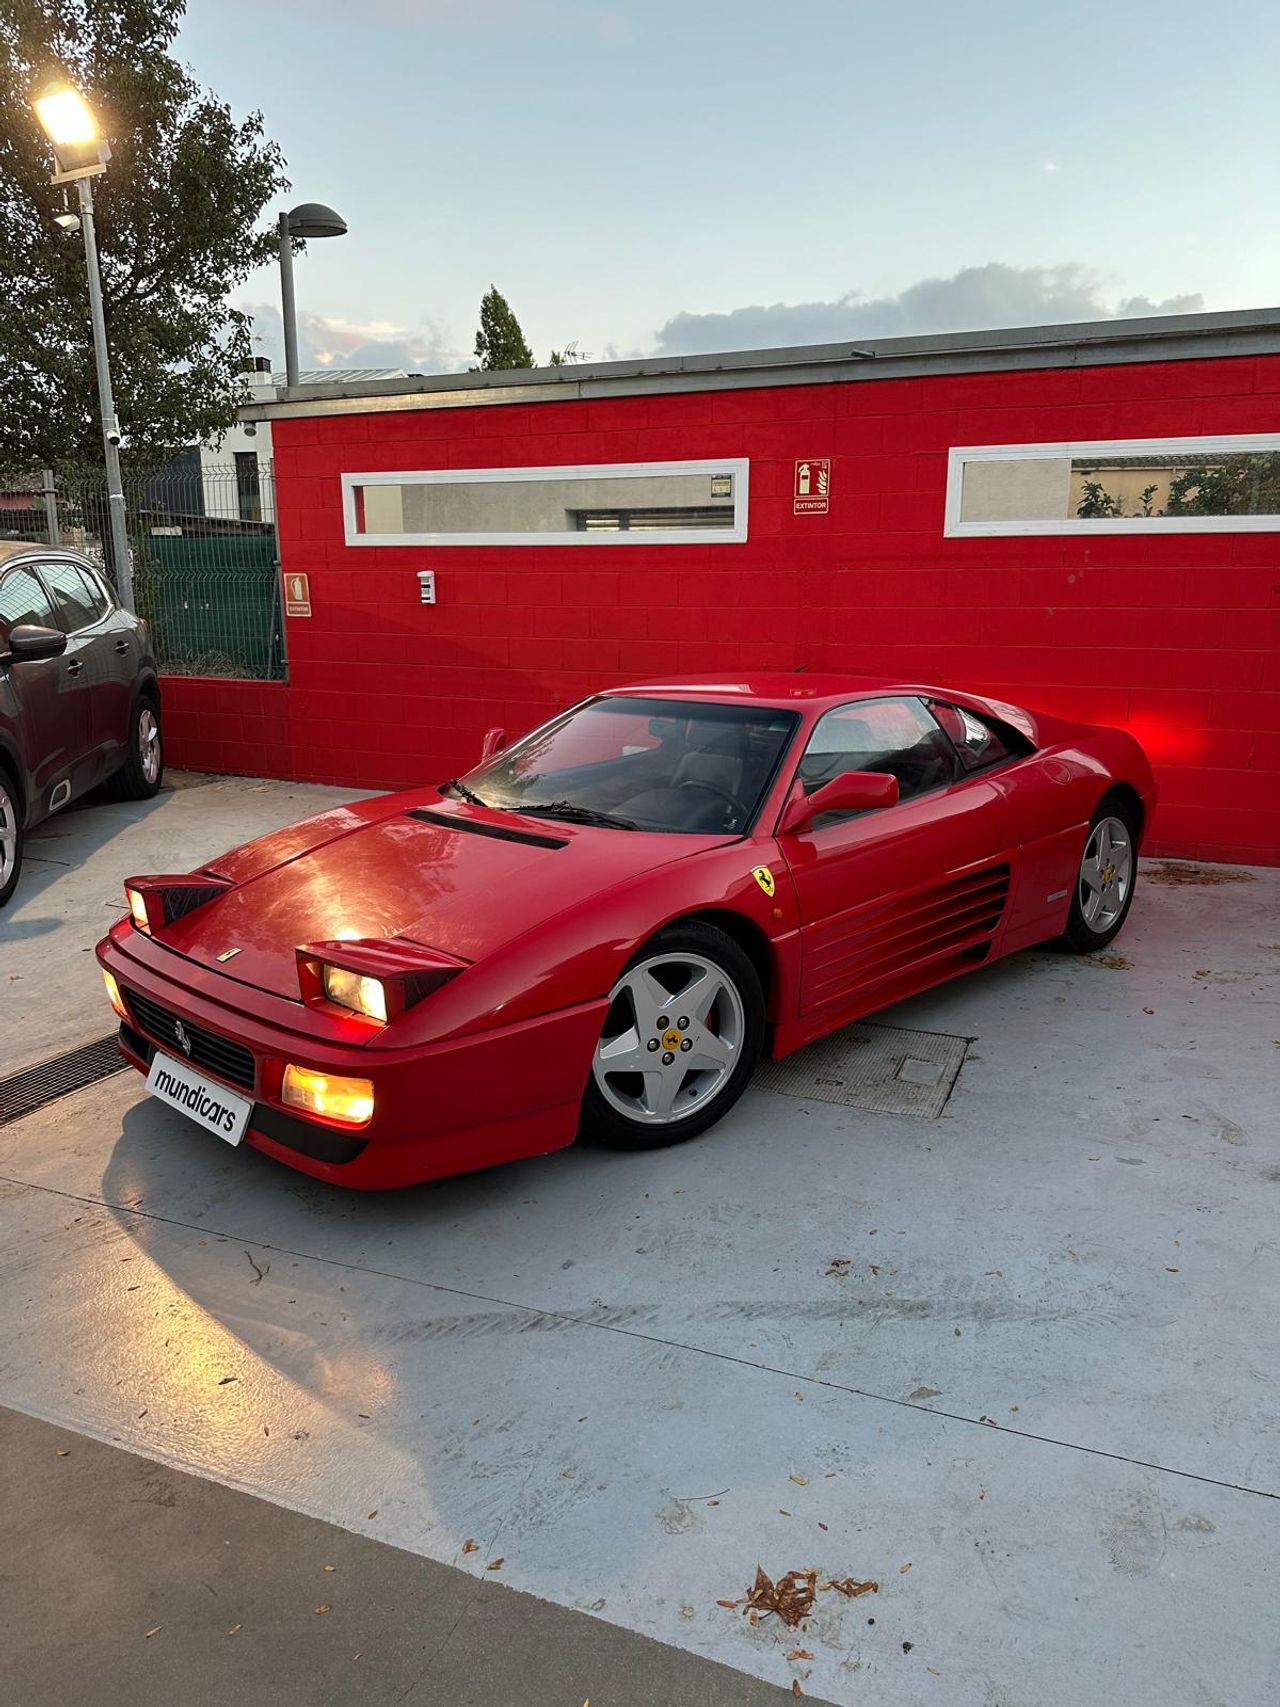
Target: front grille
218,1055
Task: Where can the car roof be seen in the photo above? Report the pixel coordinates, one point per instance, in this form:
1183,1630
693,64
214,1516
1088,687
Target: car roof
16,547
798,688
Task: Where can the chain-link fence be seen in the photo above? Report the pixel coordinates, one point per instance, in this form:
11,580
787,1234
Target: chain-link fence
204,556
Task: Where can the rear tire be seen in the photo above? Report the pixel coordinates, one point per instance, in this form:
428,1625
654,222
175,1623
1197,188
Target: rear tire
684,1031
142,772
1105,879
12,836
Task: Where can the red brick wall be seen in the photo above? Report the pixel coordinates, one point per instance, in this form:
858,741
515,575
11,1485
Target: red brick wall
1176,638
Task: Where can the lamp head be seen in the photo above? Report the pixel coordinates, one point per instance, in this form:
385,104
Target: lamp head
314,219
79,148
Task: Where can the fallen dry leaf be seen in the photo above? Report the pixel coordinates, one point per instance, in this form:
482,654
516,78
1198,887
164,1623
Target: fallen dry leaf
155,1629
323,1607
791,1597
795,1686
821,1524
800,1481
713,1502
64,1452
495,1564
874,1267
331,1567
470,1546
799,1654
235,1629
982,1493
731,1604
840,1266
371,1515
903,1569
848,1586
933,1671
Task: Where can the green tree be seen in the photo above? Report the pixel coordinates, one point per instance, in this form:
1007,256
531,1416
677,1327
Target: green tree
1096,501
500,342
177,221
1245,484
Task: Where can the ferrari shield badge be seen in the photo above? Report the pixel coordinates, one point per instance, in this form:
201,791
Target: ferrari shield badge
764,877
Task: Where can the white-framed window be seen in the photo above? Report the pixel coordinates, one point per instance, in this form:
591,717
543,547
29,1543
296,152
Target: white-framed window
625,503
1221,484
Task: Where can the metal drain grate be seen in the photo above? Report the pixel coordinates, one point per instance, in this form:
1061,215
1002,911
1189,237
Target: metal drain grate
881,1068
31,1089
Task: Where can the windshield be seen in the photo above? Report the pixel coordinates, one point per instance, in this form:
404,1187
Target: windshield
647,764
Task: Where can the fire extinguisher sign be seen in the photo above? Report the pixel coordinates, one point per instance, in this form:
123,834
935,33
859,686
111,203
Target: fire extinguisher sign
813,486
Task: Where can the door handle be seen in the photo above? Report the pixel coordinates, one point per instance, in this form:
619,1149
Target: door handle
75,666
122,646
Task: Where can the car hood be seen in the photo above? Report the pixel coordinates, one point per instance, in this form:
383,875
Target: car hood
462,879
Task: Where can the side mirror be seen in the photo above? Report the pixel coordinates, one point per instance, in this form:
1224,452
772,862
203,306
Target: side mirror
494,741
29,641
851,791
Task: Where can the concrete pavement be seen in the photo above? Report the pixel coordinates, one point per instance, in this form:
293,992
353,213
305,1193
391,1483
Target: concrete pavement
1035,1399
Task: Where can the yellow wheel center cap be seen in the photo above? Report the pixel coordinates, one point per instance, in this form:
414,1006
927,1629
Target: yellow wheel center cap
671,1039
1109,875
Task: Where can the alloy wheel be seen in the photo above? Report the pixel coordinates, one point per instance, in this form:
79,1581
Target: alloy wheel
8,834
149,744
674,1034
1106,874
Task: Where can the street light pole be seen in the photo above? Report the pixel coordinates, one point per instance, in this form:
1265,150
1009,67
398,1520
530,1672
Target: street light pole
310,219
80,154
106,402
288,304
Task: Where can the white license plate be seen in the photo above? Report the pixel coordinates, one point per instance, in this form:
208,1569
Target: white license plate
207,1102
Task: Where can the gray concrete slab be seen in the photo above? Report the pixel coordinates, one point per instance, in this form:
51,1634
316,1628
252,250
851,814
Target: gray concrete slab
138,1586
1045,1377
50,987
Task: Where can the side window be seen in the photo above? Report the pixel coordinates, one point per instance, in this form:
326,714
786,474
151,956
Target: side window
78,603
23,599
978,742
894,735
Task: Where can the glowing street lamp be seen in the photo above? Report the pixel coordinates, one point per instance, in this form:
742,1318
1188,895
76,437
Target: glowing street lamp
80,153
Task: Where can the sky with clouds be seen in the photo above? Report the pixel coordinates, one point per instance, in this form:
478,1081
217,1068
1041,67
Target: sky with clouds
646,176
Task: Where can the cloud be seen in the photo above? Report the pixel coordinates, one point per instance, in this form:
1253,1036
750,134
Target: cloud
975,297
331,341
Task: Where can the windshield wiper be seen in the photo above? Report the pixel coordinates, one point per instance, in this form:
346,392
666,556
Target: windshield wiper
465,793
574,814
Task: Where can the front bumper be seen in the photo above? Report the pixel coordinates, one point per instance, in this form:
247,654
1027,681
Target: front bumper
443,1108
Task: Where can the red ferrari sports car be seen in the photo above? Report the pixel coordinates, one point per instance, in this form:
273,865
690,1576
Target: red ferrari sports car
600,928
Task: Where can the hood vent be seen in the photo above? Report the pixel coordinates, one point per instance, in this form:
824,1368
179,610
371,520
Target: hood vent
475,827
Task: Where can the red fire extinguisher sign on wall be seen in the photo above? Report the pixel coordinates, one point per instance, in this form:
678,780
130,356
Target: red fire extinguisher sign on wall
813,486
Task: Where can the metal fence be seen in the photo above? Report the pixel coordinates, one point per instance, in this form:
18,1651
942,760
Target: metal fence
206,568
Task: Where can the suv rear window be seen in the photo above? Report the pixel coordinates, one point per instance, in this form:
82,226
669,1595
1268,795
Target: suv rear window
80,601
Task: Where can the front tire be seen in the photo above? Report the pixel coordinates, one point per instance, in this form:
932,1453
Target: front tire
142,772
11,837
683,1033
1105,879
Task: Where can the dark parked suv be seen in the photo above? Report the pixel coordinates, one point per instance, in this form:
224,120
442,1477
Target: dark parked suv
79,697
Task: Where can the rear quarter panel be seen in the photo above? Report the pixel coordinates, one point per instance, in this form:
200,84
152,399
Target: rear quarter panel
1052,795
